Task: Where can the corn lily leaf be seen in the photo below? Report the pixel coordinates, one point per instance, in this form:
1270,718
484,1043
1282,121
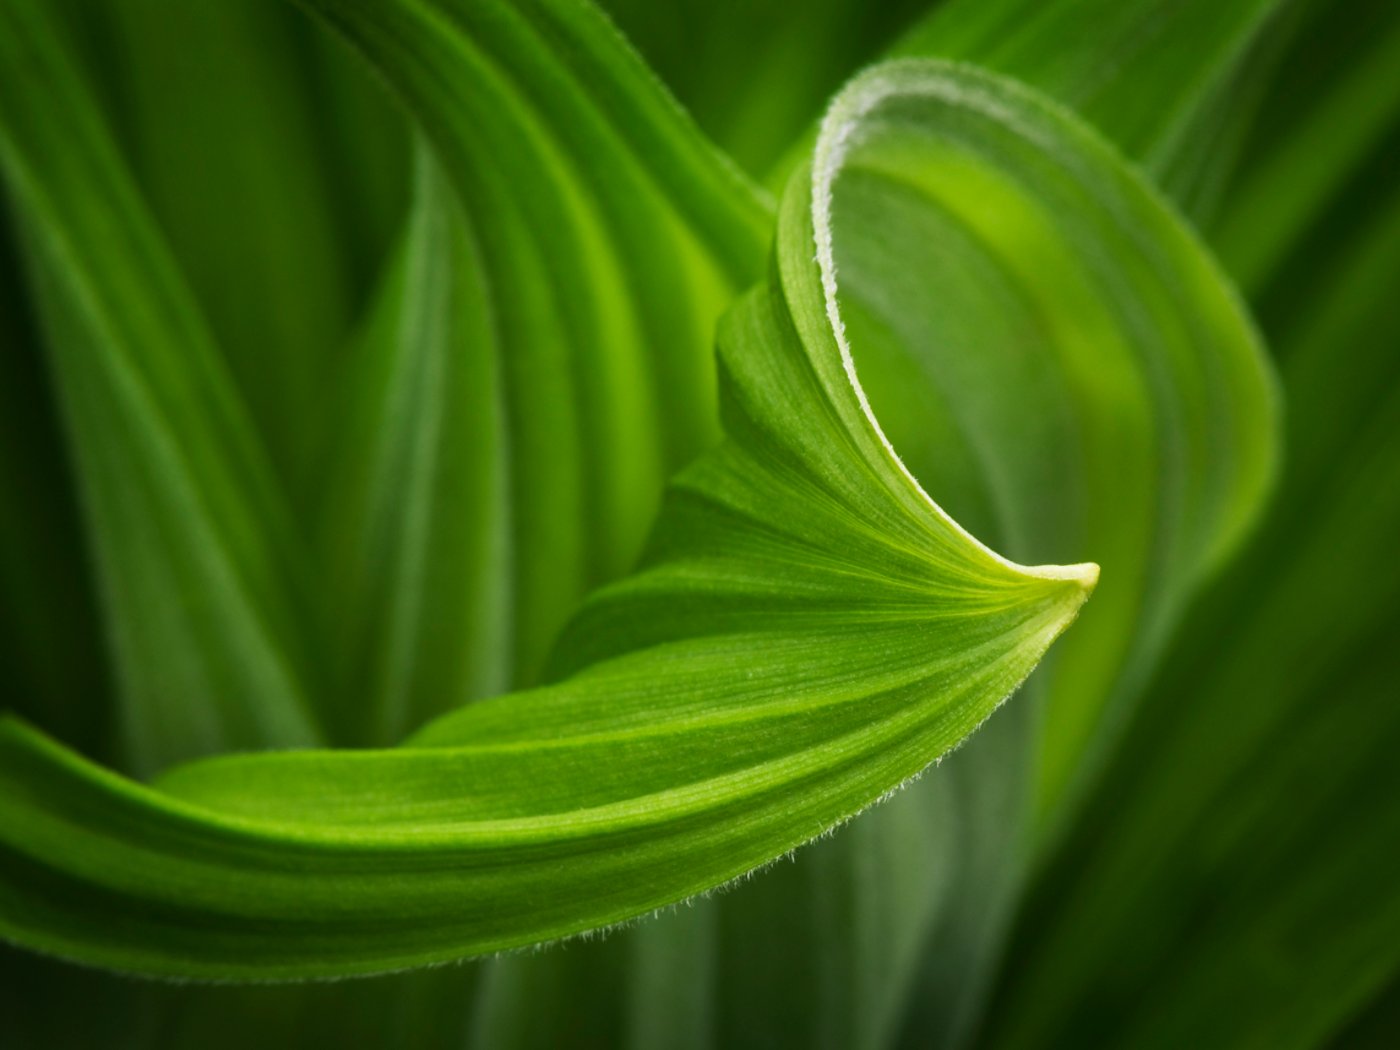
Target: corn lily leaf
918,896
969,295
233,120
607,236
415,526
1263,896
1312,143
1194,79
811,631
1278,861
976,506
1109,61
837,633
197,559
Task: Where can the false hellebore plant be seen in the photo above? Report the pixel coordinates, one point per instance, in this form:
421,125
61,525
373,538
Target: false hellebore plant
597,529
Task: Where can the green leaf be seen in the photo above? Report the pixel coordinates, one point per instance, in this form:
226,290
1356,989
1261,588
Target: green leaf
1252,902
1129,412
1140,75
975,490
609,236
756,75
1342,108
52,669
194,550
415,531
997,281
1178,89
810,632
230,115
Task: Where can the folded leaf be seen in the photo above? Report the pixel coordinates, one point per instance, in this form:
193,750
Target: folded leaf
809,632
1050,349
1177,88
608,236
640,609
812,631
1235,882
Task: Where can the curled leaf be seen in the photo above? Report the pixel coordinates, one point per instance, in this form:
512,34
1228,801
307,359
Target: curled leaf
810,631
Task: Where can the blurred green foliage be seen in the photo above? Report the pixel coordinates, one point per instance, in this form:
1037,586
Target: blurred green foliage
1181,832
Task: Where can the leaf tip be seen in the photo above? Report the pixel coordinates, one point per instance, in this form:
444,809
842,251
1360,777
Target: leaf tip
1071,585
1085,574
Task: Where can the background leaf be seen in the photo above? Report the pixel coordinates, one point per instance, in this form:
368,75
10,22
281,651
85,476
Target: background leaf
275,177
609,236
416,531
1259,879
195,552
1337,108
52,669
1266,870
757,73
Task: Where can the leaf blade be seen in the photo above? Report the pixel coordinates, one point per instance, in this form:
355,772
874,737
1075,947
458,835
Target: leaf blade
179,498
685,759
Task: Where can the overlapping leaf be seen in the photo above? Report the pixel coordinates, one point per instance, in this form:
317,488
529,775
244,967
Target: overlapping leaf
1260,887
195,552
987,469
1051,377
270,176
811,632
1171,87
885,635
1185,107
608,237
415,531
1262,884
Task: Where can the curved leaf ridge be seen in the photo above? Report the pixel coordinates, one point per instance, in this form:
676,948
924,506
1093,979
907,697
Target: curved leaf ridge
809,631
